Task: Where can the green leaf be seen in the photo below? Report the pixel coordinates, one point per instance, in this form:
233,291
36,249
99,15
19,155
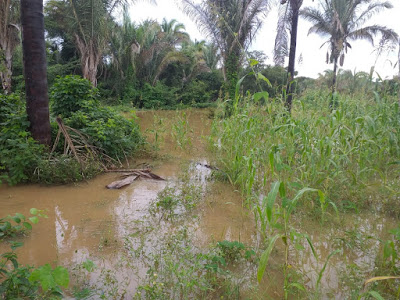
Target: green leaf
238,84
61,276
321,273
265,257
307,237
376,295
262,77
89,265
15,245
293,203
21,216
271,199
44,276
16,219
33,211
34,220
257,96
27,225
298,286
253,62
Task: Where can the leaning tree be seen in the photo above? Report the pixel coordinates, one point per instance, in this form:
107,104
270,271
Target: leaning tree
342,21
231,24
35,70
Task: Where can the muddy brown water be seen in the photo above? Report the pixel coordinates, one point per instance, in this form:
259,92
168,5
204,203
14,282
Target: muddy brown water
87,221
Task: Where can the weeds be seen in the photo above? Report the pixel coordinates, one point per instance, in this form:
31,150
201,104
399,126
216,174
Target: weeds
181,131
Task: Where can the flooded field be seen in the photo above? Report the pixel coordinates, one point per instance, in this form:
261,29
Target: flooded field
146,244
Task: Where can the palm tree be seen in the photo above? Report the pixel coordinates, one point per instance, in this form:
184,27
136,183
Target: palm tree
35,70
288,22
89,25
342,22
195,53
231,24
9,39
211,56
156,48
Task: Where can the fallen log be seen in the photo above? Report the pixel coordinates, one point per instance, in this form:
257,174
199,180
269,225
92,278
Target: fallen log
131,176
128,170
121,183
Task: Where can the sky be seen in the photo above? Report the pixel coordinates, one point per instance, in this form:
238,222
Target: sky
360,58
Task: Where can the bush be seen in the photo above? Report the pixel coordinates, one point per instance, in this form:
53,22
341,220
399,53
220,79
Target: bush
195,92
156,96
76,100
106,129
19,152
64,169
72,93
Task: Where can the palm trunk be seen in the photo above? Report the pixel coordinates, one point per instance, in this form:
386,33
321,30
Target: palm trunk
231,67
333,103
35,70
292,54
90,59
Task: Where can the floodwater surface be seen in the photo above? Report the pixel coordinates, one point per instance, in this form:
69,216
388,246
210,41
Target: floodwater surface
87,221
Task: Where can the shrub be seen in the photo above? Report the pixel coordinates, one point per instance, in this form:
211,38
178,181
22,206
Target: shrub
106,129
62,169
77,101
72,93
19,152
195,92
156,96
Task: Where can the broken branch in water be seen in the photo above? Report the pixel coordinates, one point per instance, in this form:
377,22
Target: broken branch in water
131,176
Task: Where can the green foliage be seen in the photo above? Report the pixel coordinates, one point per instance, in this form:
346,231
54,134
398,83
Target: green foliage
340,153
25,282
62,169
157,96
19,153
276,76
106,129
15,282
10,226
181,131
195,92
49,278
172,202
72,93
76,100
234,251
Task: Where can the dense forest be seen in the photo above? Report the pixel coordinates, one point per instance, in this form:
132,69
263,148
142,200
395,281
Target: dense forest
87,90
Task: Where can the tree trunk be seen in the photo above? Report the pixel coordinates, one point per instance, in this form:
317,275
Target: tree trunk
292,54
333,103
90,59
9,40
35,70
231,67
6,73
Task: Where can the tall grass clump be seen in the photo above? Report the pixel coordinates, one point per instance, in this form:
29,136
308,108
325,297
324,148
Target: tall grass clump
351,153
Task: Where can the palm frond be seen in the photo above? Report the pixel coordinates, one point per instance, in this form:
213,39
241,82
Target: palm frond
281,48
369,32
